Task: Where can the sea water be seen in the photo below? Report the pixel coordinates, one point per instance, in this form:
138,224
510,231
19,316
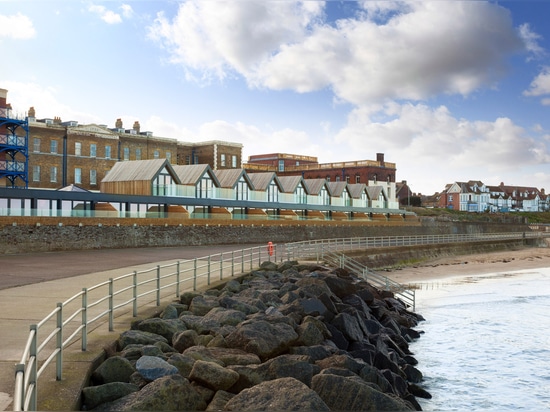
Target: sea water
486,342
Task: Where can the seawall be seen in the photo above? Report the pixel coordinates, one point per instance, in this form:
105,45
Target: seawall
46,234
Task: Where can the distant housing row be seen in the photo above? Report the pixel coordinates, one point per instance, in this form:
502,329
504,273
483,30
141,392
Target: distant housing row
476,196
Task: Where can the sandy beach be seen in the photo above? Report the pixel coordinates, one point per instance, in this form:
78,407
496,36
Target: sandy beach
464,265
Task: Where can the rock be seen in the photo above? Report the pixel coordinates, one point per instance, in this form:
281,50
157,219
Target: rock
418,391
413,374
152,368
218,402
184,340
342,361
348,325
170,393
169,312
166,328
201,305
139,337
96,395
262,338
268,266
225,316
283,394
229,356
232,286
341,287
236,304
114,369
212,375
316,352
199,324
352,394
184,363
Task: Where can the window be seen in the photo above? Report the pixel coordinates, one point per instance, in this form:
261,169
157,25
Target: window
36,173
168,156
93,177
337,179
107,152
281,165
375,178
126,151
187,159
36,145
138,154
77,175
450,198
234,161
77,149
357,179
53,174
93,150
53,146
156,154
222,161
347,179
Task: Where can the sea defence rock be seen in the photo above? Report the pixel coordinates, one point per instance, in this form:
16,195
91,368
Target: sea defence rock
285,337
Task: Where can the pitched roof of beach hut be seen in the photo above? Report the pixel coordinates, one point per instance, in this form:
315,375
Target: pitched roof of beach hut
314,186
229,178
291,183
374,192
135,170
357,189
191,174
262,180
337,188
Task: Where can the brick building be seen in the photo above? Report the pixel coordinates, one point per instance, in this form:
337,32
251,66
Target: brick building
63,153
370,172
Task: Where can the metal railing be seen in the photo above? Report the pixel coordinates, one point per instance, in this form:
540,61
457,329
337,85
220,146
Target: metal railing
106,299
74,317
315,249
407,296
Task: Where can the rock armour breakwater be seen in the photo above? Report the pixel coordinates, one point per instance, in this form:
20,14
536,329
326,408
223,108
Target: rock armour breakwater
285,337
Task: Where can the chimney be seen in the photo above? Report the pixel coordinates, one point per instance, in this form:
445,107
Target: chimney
118,123
32,112
57,120
136,126
380,158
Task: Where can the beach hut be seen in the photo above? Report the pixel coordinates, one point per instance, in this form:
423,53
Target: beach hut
318,192
339,194
267,186
294,189
377,196
198,181
358,194
154,177
234,184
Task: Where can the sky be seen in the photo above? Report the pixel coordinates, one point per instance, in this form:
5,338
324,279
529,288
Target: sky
448,90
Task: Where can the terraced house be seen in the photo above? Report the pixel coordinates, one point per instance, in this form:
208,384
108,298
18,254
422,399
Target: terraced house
475,196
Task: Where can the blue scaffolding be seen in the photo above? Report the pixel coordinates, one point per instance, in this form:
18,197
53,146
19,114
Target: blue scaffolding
14,149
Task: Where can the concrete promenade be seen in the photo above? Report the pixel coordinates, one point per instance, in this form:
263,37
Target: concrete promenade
31,286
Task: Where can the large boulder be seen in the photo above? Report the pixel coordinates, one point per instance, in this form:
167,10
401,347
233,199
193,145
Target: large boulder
114,369
139,337
285,394
152,368
93,396
352,394
213,376
170,393
163,327
262,338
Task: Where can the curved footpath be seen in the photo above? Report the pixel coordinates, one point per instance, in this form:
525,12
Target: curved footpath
32,284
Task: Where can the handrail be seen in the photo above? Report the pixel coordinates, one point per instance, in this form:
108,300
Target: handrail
133,287
121,291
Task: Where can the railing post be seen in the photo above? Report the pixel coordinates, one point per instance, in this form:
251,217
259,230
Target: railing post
178,279
209,270
84,319
242,260
59,342
251,257
221,266
33,379
111,305
259,255
19,395
158,285
195,275
134,294
232,263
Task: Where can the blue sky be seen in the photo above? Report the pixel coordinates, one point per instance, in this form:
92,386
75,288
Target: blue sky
447,90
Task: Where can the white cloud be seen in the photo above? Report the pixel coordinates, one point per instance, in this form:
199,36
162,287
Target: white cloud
108,16
17,26
218,38
44,99
540,85
419,50
530,40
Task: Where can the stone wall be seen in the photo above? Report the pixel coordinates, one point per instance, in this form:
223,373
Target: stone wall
25,235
